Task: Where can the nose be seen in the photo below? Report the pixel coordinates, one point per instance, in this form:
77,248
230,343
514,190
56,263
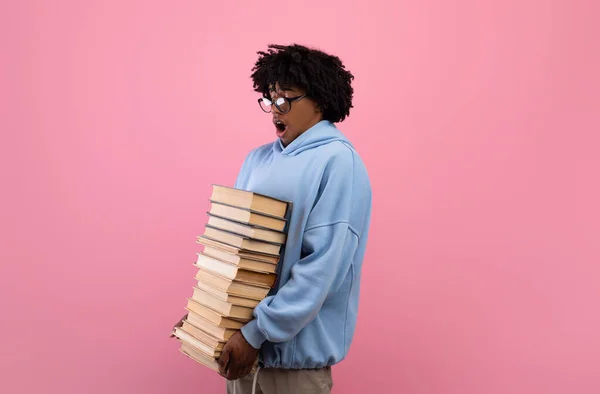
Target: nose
275,110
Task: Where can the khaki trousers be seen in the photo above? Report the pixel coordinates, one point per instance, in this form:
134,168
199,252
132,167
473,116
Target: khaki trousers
284,381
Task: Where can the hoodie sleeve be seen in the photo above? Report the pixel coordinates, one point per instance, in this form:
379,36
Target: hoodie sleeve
329,243
244,172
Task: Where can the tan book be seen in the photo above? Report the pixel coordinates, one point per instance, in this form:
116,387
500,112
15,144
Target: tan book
203,336
199,294
221,333
243,263
240,241
198,356
205,360
247,217
231,254
224,296
214,317
234,272
231,286
225,308
249,200
245,230
199,345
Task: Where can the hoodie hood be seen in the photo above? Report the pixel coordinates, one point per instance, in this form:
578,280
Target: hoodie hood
322,133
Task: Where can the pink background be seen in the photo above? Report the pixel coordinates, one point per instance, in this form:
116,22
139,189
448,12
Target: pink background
478,122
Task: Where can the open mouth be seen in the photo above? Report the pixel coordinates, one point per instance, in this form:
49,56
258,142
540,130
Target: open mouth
280,126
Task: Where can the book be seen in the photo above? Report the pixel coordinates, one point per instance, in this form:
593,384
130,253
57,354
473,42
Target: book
195,354
232,254
234,272
259,234
200,346
241,262
231,286
249,200
231,308
240,241
198,356
245,216
203,336
221,333
214,317
225,296
243,243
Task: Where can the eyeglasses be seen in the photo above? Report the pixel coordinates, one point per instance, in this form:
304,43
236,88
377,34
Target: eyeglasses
283,104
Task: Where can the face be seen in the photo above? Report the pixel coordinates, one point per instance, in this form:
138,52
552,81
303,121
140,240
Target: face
304,113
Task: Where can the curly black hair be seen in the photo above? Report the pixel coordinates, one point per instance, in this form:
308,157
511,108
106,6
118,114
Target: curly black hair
323,77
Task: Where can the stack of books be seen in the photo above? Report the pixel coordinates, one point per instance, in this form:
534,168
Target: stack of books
243,242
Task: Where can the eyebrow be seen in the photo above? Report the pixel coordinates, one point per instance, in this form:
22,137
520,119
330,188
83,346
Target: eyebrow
281,88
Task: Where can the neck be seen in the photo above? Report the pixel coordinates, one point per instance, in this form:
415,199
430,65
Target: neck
316,120
318,117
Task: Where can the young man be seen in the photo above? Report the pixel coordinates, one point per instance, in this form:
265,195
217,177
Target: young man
307,323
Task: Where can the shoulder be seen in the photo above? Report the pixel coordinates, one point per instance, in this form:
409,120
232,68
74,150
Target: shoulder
336,154
262,149
258,152
342,156
344,172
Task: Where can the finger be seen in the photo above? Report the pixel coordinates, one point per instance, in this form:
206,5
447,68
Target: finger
231,375
232,370
238,372
224,360
223,363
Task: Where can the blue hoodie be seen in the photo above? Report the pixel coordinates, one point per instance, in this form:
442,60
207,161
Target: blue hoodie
308,319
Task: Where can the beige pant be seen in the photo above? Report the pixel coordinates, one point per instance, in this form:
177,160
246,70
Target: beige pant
284,381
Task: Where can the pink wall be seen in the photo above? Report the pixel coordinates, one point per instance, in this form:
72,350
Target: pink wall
479,125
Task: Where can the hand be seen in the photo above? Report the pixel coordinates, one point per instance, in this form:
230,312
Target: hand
178,324
237,357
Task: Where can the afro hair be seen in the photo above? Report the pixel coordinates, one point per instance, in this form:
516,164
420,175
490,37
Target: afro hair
322,76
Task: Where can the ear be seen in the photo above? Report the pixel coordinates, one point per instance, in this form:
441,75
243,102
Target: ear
317,108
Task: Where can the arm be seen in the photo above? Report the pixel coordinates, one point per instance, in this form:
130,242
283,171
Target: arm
328,245
280,317
243,172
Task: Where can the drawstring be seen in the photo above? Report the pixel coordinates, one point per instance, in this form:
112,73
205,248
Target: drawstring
253,381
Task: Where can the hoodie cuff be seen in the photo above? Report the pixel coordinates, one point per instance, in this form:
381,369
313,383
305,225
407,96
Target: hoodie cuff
253,334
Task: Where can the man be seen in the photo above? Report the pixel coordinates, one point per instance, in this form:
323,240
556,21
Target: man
306,324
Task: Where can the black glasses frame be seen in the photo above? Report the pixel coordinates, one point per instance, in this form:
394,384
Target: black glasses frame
289,100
